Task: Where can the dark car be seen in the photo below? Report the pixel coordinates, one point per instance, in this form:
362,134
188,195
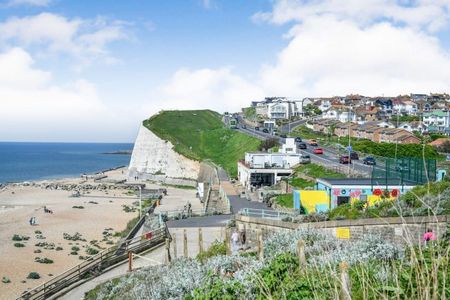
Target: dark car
283,136
354,155
301,145
345,159
298,139
244,126
369,160
257,128
265,130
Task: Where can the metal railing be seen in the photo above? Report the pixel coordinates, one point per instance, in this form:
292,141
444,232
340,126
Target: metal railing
263,213
95,264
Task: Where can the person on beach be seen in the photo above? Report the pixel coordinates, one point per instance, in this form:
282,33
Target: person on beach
31,221
429,236
242,238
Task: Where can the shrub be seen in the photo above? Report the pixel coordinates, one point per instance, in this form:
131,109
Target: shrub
75,248
37,232
44,260
91,251
19,238
19,245
216,248
37,251
78,206
6,279
33,275
59,248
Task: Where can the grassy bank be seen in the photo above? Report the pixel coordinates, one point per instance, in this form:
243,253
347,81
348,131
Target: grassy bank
200,134
316,171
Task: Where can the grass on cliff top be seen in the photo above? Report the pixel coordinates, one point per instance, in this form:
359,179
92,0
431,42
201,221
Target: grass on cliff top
200,134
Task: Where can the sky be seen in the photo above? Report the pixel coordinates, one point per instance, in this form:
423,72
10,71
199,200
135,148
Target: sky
91,71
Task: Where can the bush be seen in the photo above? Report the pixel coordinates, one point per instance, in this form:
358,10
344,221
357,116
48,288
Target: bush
216,248
19,245
19,238
33,275
91,251
59,248
44,260
75,248
6,279
78,206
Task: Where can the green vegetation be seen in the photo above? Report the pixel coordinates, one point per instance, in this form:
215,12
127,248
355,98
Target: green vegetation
44,260
216,248
250,113
6,279
286,200
180,186
127,230
19,245
200,134
305,133
316,171
407,118
91,251
78,206
18,238
33,275
301,183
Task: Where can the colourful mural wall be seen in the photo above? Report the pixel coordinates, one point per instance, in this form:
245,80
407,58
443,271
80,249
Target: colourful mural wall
325,197
312,201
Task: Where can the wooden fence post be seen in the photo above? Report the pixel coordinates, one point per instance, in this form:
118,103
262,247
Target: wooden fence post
345,282
174,239
200,240
260,245
168,258
130,261
185,244
301,253
227,241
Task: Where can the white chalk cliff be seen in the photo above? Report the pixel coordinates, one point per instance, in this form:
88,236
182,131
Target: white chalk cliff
153,155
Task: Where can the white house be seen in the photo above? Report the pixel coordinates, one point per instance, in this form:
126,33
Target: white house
405,107
265,169
438,120
289,146
339,115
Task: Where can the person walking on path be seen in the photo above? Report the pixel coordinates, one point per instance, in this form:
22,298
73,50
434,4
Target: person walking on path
234,241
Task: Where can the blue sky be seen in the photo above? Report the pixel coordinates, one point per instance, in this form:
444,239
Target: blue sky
92,70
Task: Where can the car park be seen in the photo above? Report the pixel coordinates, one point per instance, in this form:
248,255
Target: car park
313,143
345,159
302,145
318,151
370,161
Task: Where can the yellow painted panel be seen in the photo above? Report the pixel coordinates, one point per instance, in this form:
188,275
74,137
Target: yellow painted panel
309,199
343,232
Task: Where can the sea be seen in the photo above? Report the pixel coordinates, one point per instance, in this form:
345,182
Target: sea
22,161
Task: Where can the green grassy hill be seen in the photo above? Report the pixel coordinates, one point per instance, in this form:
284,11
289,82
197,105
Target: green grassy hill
200,134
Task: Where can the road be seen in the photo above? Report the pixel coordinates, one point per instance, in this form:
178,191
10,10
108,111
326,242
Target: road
329,157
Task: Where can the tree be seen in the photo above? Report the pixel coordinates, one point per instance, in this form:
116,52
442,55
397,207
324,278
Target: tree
268,143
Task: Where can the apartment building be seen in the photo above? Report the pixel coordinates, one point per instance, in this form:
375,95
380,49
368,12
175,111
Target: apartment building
438,120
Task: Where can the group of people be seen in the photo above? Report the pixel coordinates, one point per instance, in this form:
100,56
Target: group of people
32,220
47,211
238,240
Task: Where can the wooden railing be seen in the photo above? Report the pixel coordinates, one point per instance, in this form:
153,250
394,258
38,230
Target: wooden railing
95,264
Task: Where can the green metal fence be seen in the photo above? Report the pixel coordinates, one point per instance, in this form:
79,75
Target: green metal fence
404,171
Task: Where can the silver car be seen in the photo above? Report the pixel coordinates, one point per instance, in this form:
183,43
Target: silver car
305,159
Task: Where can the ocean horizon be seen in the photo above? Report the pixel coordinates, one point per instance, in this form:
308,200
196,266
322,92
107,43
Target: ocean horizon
31,161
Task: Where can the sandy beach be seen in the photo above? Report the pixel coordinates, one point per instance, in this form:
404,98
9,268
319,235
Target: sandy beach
102,210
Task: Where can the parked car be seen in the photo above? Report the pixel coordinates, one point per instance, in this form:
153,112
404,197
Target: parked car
354,155
305,159
244,126
298,139
257,128
283,136
345,159
313,143
301,145
265,130
369,160
318,151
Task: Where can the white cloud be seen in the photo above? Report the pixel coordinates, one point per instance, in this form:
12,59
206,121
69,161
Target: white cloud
34,108
430,14
29,2
87,40
334,47
217,89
